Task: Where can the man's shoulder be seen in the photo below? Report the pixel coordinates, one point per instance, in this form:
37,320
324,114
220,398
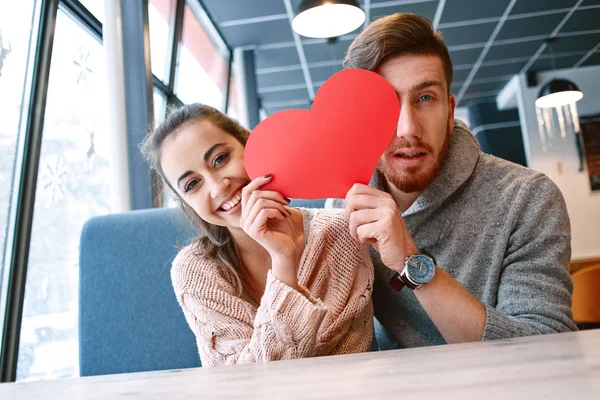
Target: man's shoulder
500,166
506,184
502,174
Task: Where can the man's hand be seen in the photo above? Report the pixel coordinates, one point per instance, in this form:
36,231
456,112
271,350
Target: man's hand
373,218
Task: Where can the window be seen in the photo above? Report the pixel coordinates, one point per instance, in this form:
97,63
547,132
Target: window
72,187
16,22
203,62
160,107
96,7
161,16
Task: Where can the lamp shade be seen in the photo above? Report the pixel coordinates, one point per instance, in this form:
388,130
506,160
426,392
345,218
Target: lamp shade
557,93
327,18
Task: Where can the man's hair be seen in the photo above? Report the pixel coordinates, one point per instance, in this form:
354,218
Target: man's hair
396,35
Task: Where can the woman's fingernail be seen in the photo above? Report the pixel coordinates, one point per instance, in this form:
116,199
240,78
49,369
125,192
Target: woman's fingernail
286,199
289,212
267,176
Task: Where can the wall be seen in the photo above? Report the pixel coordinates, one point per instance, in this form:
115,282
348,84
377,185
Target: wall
561,162
498,131
462,113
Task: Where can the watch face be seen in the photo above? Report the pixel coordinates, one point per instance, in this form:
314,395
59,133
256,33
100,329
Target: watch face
420,268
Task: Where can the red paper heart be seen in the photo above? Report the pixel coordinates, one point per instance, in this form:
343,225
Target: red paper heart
322,152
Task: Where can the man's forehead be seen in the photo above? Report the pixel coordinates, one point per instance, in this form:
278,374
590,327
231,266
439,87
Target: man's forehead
413,59
413,72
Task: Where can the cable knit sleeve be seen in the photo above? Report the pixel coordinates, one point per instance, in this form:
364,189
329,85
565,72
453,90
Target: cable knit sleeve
340,273
227,329
534,296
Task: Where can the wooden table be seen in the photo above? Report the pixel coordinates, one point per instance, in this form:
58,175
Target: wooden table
561,366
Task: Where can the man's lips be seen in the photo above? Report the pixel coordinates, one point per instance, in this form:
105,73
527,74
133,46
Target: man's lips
410,152
409,157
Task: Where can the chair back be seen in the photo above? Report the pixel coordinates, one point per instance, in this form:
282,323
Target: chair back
586,294
129,318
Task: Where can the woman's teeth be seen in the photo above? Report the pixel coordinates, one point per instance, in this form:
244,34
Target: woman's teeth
233,202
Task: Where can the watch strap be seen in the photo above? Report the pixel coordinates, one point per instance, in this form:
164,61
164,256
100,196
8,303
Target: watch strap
396,282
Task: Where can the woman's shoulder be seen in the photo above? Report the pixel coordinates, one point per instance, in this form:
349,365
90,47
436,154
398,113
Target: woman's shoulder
330,226
191,270
328,220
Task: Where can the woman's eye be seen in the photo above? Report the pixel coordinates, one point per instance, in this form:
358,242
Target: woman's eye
190,185
425,97
221,158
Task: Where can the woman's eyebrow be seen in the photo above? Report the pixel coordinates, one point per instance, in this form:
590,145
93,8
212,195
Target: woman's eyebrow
211,150
183,176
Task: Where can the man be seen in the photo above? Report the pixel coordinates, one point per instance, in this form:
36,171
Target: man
482,244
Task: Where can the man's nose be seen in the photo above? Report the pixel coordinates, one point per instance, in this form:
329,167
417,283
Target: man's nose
407,124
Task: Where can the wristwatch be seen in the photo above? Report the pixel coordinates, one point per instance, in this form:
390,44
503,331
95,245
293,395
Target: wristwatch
419,269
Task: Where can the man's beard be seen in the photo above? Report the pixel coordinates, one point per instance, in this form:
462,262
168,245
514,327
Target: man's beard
414,179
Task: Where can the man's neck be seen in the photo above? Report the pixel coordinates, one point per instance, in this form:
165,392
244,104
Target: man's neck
403,200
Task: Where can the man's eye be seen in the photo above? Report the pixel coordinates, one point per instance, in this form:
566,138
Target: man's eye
425,97
221,158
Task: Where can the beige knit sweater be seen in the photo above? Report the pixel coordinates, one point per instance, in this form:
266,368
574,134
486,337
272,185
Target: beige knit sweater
333,313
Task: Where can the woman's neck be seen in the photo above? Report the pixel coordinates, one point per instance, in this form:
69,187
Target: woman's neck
246,245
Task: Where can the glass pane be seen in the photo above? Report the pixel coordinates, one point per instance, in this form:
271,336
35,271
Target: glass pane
72,187
160,107
96,7
161,16
233,104
202,69
160,112
16,21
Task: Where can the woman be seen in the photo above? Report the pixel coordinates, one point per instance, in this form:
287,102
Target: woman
263,281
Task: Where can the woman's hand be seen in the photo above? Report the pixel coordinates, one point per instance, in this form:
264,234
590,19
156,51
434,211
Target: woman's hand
266,220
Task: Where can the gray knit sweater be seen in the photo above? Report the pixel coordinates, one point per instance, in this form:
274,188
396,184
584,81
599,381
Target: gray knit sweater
499,229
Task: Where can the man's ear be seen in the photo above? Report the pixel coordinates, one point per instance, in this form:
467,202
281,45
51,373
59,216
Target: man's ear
451,107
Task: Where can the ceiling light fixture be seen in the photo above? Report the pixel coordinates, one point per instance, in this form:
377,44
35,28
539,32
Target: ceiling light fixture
557,93
327,18
555,106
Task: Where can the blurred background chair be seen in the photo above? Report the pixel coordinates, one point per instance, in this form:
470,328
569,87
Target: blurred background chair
129,319
586,296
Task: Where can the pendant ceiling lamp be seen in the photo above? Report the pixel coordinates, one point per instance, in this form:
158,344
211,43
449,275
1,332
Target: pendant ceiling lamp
327,18
558,93
555,106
